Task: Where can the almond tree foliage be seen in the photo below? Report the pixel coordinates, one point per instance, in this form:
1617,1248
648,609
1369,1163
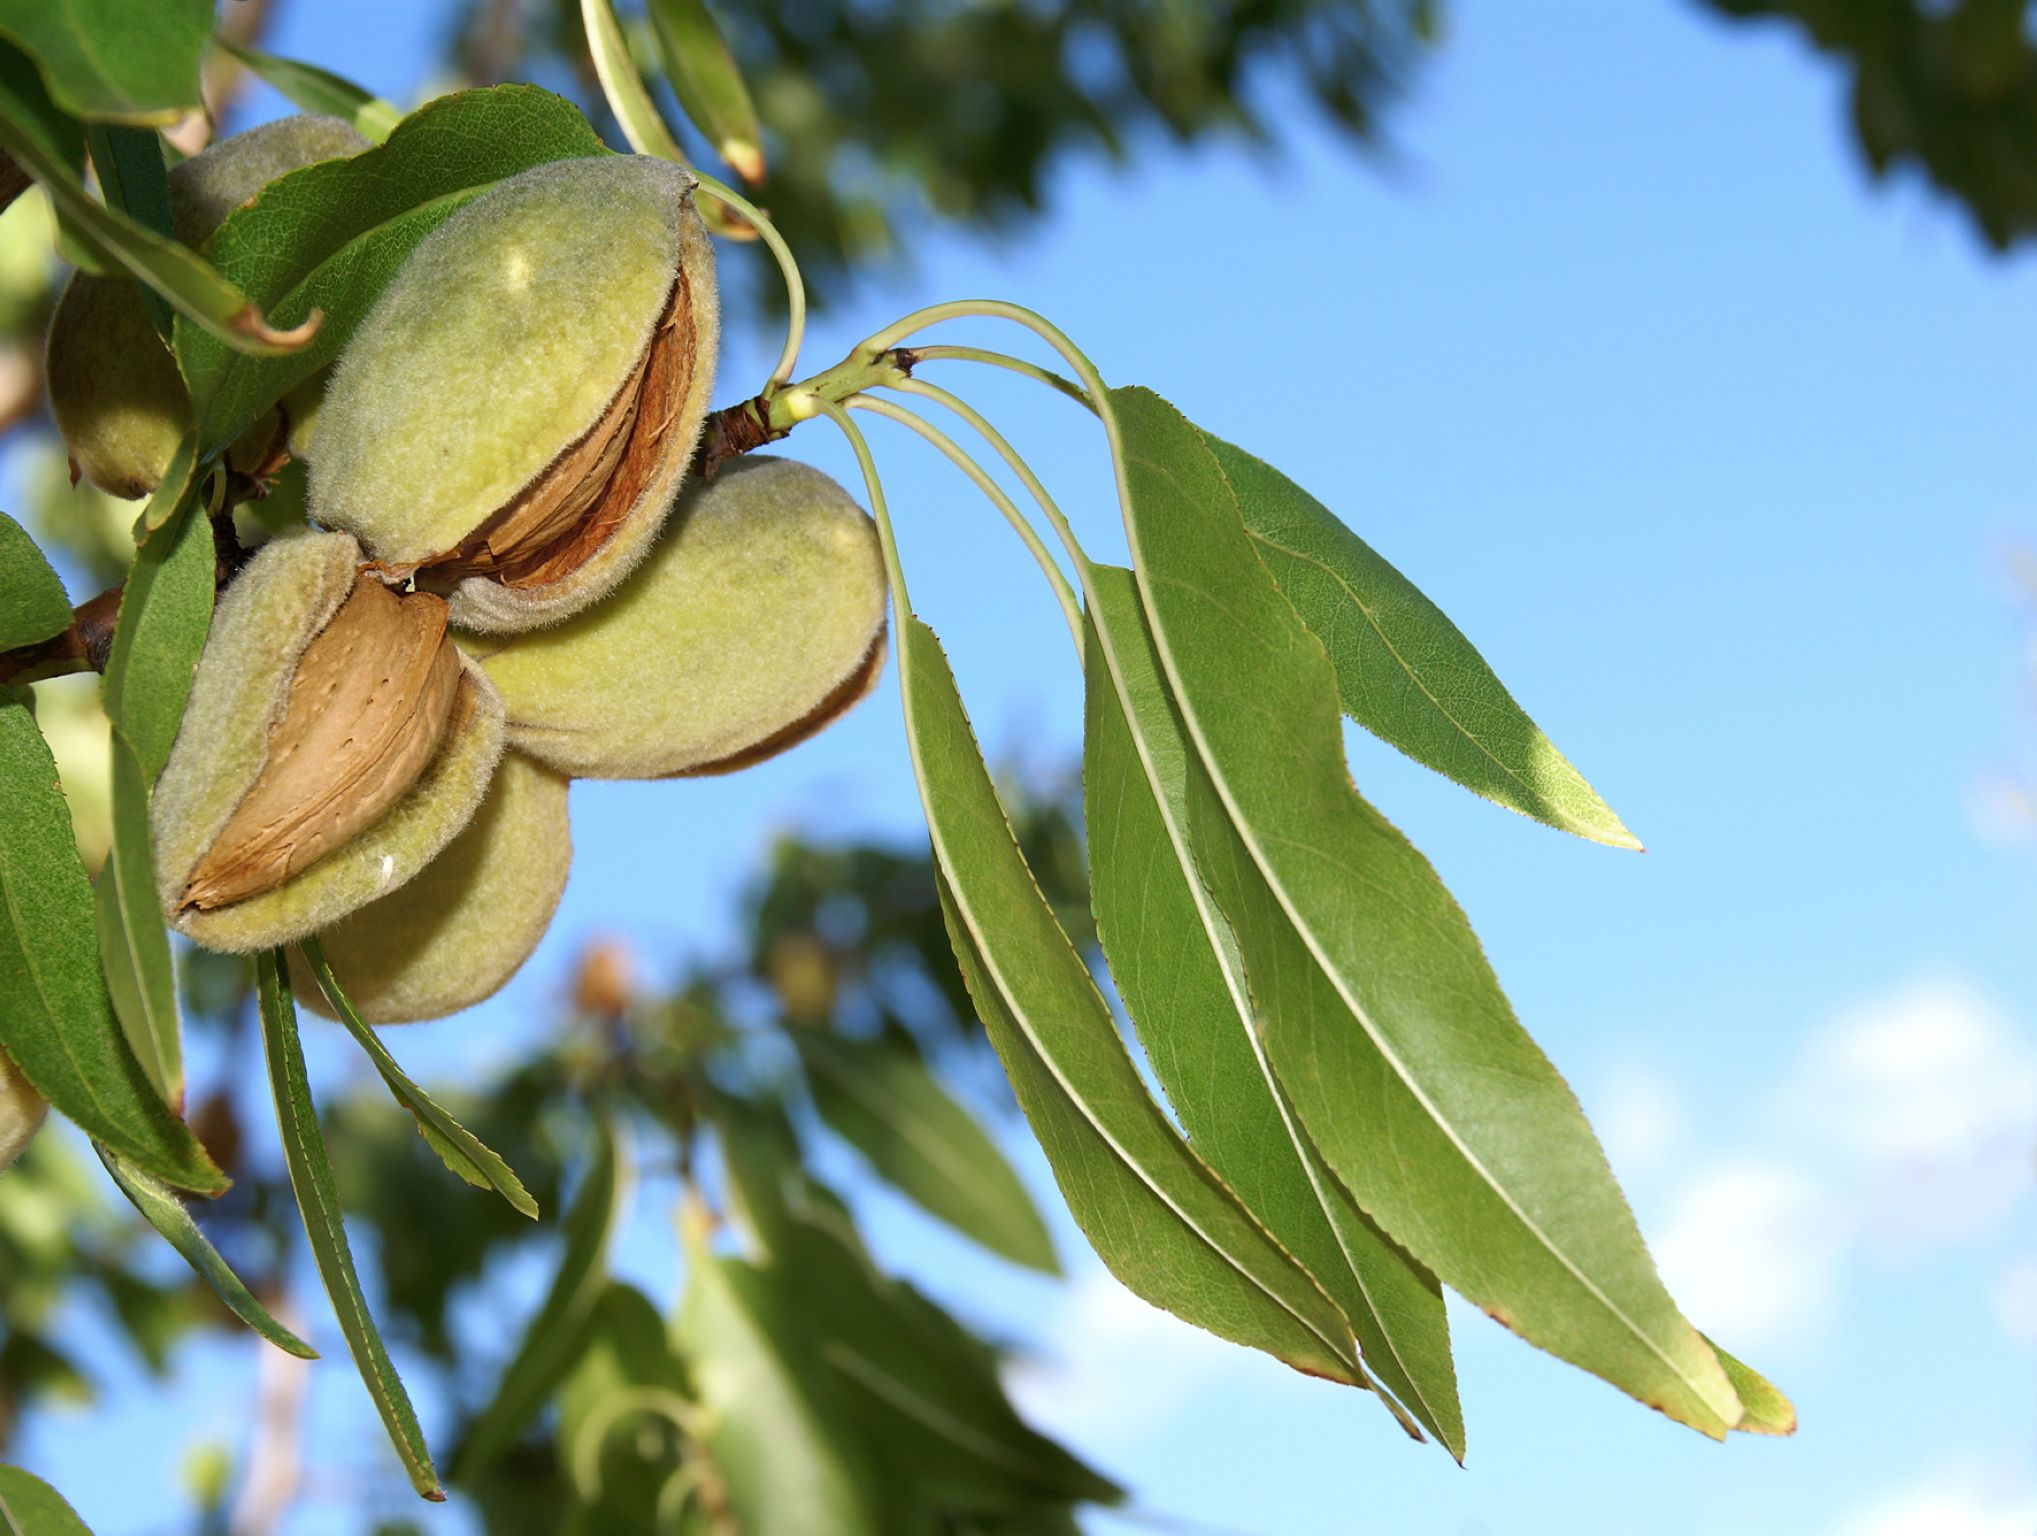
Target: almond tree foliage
329,765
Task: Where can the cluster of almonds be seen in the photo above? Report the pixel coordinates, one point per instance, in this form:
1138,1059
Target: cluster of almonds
507,588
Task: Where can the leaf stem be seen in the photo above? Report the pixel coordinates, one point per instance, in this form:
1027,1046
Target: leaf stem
795,285
1033,371
1064,594
901,604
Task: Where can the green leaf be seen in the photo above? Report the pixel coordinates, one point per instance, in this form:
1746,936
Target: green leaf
1156,1215
555,1335
1768,1411
318,1199
642,124
781,1437
31,1507
320,90
46,146
1176,964
708,83
626,1371
55,1019
1404,671
133,179
1381,1017
127,61
888,1106
166,1213
329,237
33,606
459,1148
165,613
134,942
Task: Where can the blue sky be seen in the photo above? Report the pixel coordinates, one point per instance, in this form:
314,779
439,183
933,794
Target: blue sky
1716,450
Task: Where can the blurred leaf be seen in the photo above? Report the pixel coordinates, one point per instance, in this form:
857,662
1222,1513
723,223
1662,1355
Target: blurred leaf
33,606
317,1198
642,124
320,90
166,1213
134,943
1159,1219
165,613
459,1148
556,1332
32,1508
709,84
889,1107
1379,1012
131,61
55,1019
625,1376
329,237
44,147
1176,964
1768,1411
1404,671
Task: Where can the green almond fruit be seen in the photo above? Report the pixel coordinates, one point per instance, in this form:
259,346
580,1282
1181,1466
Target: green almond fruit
512,419
335,741
756,621
456,933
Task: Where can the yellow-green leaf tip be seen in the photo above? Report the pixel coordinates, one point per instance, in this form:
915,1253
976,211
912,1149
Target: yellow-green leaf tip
757,620
512,419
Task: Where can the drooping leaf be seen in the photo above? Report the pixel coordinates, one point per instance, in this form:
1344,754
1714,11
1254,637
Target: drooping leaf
889,1107
329,237
1768,1411
642,124
555,1334
134,941
784,1443
320,90
311,1181
159,1204
56,1021
458,1148
1404,671
1159,1219
48,148
165,613
1176,964
1380,1015
33,606
128,61
31,1507
708,83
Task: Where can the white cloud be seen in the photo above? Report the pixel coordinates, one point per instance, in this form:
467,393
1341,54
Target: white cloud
1968,1499
1639,1118
1752,1249
2015,1300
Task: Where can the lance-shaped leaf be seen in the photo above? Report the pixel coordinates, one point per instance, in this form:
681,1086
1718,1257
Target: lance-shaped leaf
708,83
785,1445
642,124
31,1507
1156,1215
457,1147
165,612
33,606
311,1181
329,237
320,90
556,1332
133,179
129,61
1404,671
1177,968
887,1106
134,942
1380,1014
47,147
56,1021
159,1204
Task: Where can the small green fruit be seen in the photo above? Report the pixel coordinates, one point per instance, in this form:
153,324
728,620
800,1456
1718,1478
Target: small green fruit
114,388
455,934
757,620
334,742
512,419
22,1110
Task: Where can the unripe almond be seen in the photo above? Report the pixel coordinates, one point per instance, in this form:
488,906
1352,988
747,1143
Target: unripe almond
457,932
512,419
334,742
756,621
